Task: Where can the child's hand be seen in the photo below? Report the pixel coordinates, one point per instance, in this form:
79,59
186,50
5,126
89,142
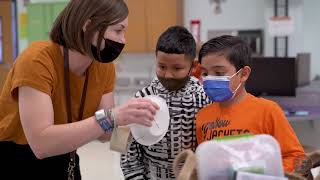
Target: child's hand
137,110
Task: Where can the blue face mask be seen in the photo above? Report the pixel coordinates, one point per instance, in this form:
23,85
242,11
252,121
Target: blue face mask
218,87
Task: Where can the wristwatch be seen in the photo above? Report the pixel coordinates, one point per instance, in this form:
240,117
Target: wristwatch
104,120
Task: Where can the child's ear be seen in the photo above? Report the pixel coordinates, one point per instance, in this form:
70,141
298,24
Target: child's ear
245,73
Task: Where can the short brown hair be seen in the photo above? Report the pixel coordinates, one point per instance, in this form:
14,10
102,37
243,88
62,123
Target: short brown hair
67,29
235,50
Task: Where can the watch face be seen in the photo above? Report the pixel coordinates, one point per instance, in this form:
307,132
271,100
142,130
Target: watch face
103,120
100,114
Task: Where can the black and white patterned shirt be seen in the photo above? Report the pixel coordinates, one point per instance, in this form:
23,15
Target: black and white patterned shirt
155,162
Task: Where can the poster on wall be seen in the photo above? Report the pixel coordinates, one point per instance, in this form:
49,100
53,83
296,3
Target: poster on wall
23,23
280,26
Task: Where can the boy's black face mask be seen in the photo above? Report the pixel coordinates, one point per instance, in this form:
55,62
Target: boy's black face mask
173,84
111,51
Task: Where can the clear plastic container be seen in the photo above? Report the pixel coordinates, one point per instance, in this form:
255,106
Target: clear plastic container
220,159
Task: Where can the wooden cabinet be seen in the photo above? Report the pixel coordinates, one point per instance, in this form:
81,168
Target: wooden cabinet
147,20
136,34
6,33
8,37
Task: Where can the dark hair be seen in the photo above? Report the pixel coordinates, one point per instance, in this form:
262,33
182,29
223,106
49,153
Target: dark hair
177,40
233,48
68,27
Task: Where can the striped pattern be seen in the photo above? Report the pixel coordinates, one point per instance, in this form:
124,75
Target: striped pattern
155,162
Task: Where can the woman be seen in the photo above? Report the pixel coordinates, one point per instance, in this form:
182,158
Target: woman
58,94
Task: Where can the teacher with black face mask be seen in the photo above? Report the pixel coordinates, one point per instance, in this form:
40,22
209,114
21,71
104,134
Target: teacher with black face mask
58,95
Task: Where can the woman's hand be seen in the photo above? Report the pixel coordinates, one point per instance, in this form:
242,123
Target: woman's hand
137,110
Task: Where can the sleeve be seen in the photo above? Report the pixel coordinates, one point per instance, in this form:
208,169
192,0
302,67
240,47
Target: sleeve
132,162
199,134
111,78
35,73
202,101
279,127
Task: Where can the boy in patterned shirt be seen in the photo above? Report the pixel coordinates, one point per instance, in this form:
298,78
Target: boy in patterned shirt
175,54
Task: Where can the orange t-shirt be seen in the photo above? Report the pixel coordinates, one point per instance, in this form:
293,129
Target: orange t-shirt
41,66
255,116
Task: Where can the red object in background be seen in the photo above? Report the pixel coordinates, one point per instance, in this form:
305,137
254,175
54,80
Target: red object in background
196,71
195,29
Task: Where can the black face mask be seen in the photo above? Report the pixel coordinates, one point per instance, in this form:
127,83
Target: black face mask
173,84
111,51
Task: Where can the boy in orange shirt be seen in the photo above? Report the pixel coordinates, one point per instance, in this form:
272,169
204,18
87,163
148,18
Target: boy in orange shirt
225,63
